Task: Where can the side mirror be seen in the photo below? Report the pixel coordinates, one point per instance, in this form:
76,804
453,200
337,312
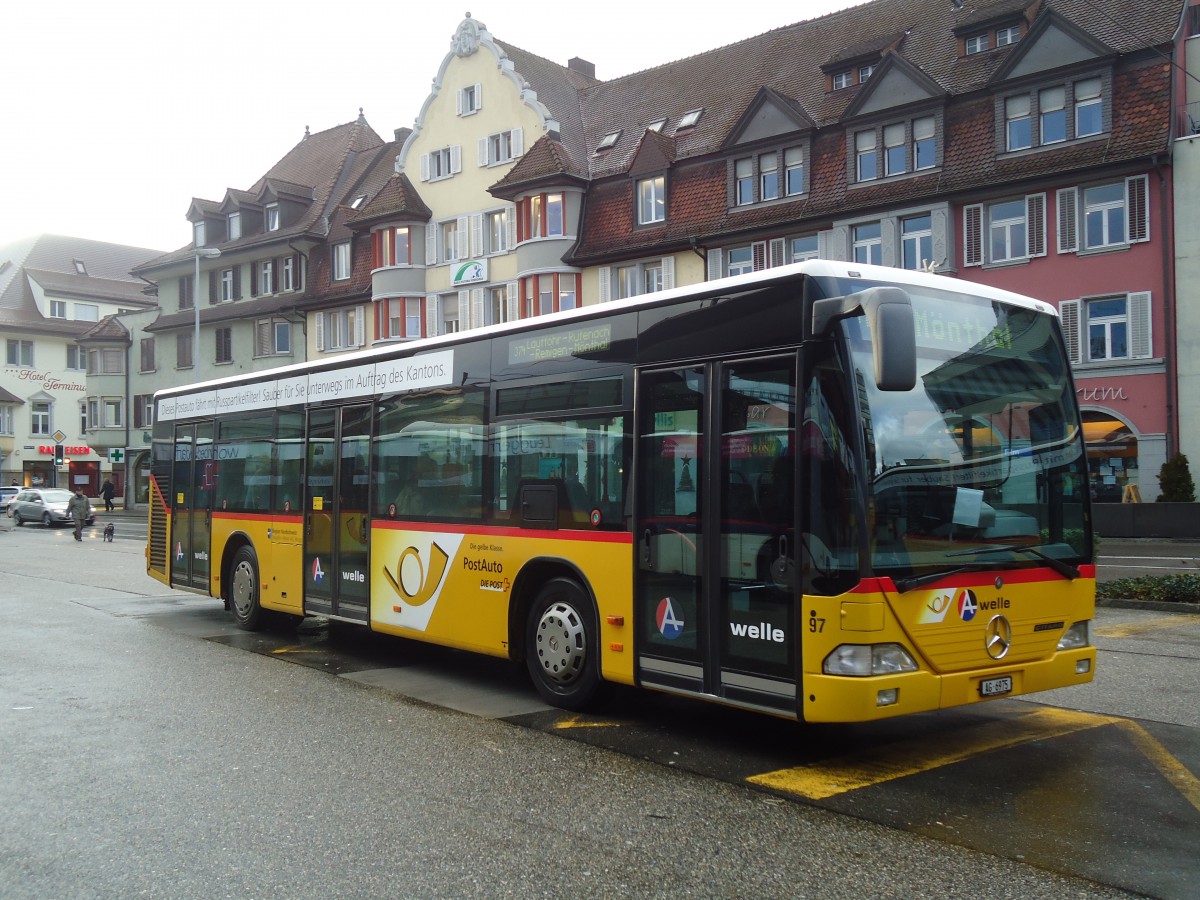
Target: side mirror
893,332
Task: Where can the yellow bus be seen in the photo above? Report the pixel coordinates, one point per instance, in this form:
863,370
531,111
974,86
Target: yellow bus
829,492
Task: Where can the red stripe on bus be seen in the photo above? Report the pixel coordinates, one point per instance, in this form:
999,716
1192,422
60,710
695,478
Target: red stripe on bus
563,534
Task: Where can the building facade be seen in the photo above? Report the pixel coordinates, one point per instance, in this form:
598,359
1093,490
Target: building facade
53,291
1025,145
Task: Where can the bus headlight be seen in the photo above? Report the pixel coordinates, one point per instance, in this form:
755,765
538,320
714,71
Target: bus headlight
1078,635
868,659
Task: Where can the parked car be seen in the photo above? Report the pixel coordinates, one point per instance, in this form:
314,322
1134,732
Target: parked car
45,505
6,495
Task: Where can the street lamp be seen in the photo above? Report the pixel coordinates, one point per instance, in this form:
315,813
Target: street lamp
206,253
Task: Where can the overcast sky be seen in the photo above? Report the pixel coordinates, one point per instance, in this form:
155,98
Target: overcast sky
116,114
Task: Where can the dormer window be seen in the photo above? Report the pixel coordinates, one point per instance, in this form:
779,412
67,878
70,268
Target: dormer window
842,80
895,148
689,119
235,225
608,141
273,217
1009,35
977,44
652,200
198,234
1053,114
865,72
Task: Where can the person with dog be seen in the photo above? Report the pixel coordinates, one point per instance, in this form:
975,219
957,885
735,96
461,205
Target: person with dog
78,508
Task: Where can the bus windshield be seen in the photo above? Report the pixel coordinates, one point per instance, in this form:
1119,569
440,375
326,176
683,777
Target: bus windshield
982,463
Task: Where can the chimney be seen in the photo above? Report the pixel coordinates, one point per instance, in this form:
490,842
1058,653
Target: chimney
582,66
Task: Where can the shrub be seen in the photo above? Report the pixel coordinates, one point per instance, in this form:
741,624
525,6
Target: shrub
1162,588
1175,481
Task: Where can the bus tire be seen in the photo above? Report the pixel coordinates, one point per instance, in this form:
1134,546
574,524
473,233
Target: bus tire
562,651
243,591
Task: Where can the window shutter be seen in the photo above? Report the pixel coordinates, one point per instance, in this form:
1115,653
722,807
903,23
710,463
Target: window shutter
513,298
778,252
518,142
432,319
424,166
478,306
477,235
464,311
297,273
759,251
1068,240
1137,201
1035,219
1068,312
1140,344
275,276
668,272
237,282
458,102
716,264
214,285
455,158
254,270
604,284
478,95
462,234
973,235
431,238
512,226
482,153
360,326
319,321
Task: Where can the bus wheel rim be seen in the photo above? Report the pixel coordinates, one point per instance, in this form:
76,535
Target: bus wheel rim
561,643
243,588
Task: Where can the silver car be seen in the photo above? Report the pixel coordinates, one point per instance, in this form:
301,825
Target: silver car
45,505
6,495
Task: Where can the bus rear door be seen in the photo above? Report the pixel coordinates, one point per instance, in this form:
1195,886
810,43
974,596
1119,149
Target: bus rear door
716,594
337,479
193,482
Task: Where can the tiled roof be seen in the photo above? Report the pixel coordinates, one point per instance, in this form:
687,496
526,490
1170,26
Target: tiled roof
107,330
547,159
397,199
326,166
787,62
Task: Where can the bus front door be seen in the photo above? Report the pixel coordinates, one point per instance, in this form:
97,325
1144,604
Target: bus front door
716,594
193,482
337,479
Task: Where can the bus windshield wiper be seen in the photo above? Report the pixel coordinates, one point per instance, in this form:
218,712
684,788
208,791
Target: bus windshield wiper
904,585
1065,569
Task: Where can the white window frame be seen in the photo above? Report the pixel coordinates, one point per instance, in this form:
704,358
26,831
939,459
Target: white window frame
1017,114
289,273
225,295
842,80
1139,330
272,217
1008,36
469,100
652,200
266,276
868,247
234,225
340,329
41,417
19,353
743,181
866,156
768,176
341,267
793,163
976,43
918,239
58,309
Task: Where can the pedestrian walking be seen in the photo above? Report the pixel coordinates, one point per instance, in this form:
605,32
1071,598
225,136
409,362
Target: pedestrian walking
78,508
106,491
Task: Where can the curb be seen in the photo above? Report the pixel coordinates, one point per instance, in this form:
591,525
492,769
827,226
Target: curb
1154,605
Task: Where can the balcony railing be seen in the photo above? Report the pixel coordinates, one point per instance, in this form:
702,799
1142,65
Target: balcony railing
1187,122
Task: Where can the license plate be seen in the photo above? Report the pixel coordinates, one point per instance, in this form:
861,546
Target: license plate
994,687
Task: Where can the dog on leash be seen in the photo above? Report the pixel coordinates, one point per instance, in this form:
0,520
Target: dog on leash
109,531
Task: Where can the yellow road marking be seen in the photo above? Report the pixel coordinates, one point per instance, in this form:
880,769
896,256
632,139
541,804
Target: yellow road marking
1132,628
860,770
1161,758
575,722
295,650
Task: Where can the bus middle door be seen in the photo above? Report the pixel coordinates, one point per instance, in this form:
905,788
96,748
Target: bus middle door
193,483
715,593
337,481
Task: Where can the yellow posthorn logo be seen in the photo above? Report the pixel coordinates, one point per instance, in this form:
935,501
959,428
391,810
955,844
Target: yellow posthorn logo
426,585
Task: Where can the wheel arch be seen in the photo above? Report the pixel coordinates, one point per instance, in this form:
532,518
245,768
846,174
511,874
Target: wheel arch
525,588
235,542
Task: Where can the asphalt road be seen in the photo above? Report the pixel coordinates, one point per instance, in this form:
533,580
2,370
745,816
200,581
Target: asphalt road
142,759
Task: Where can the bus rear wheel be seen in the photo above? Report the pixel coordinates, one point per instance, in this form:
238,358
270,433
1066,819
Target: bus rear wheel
243,591
561,645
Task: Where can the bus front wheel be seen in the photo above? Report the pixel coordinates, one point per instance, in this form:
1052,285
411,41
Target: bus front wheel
561,649
243,591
